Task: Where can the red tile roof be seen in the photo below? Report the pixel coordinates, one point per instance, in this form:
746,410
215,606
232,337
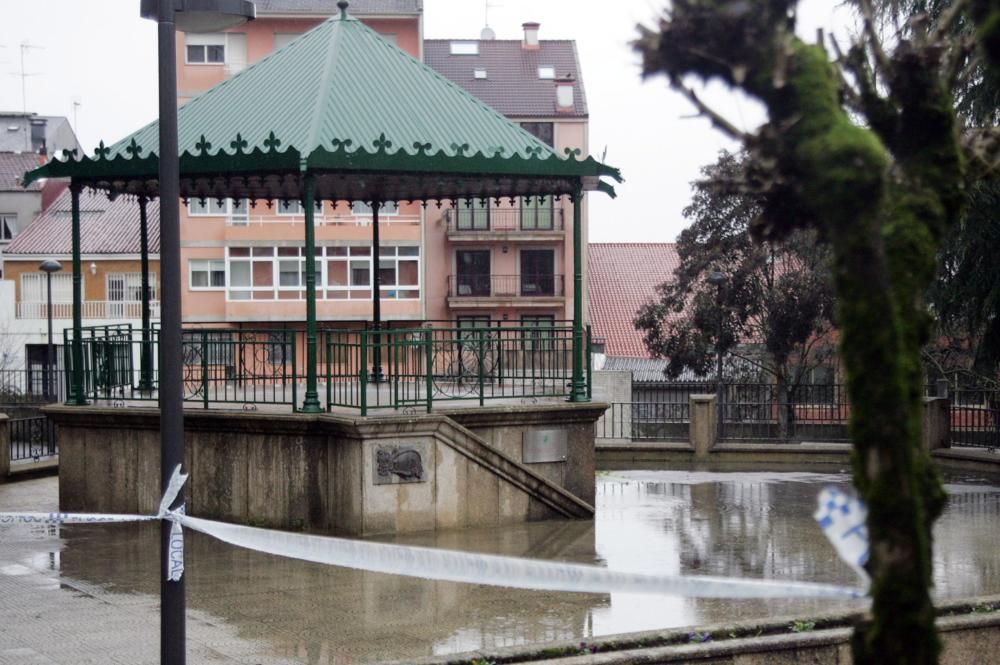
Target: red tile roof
106,227
623,277
12,166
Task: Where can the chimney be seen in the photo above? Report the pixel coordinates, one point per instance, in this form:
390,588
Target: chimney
530,42
565,94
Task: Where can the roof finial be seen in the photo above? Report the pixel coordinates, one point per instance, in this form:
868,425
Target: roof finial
343,4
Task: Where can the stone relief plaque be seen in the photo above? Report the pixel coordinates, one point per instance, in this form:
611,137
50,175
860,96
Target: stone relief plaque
395,465
543,445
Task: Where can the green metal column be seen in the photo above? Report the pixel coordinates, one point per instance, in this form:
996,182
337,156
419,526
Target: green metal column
578,387
76,396
311,403
146,352
376,374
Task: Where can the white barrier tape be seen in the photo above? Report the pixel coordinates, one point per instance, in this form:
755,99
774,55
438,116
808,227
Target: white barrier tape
445,565
842,518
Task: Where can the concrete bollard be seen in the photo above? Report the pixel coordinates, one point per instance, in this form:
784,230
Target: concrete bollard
4,447
703,426
937,423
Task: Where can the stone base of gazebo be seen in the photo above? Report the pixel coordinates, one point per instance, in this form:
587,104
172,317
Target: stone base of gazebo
340,474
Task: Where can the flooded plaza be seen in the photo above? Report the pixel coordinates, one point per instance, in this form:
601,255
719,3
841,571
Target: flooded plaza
89,593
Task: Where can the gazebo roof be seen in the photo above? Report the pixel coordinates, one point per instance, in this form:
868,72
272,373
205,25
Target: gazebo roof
344,103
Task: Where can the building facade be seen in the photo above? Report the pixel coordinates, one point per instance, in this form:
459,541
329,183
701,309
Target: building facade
479,261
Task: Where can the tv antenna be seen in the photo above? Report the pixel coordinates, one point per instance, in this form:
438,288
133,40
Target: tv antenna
488,32
25,47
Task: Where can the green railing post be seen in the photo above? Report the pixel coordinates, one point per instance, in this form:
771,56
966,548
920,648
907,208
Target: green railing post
396,343
482,363
204,368
295,373
145,353
311,403
429,353
363,374
590,369
77,397
578,388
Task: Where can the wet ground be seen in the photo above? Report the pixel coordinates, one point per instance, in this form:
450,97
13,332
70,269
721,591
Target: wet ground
88,594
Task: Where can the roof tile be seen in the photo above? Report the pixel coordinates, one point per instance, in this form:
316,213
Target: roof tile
106,227
624,277
511,85
13,165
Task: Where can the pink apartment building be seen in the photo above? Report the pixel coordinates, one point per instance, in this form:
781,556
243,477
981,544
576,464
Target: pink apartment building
502,261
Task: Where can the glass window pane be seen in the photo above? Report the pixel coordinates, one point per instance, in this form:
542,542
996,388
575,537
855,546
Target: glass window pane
360,273
196,54
336,273
336,251
239,273
239,295
288,251
263,273
386,251
239,251
387,273
361,251
409,273
263,251
409,251
288,273
216,207
215,53
199,279
219,277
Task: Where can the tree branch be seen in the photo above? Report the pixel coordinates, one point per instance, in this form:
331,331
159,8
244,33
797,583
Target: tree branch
882,61
716,118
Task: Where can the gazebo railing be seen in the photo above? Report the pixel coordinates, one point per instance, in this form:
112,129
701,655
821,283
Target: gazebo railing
220,366
417,367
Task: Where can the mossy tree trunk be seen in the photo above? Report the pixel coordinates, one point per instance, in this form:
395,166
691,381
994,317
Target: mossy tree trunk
882,196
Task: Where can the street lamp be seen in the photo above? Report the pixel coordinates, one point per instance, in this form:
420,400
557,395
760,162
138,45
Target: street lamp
717,279
48,267
187,16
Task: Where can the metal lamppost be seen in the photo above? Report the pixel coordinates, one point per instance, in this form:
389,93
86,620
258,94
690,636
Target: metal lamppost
717,279
48,267
187,16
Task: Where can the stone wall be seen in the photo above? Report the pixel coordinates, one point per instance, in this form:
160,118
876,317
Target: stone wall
328,473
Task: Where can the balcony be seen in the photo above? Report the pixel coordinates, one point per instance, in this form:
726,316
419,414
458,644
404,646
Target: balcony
505,224
491,290
104,310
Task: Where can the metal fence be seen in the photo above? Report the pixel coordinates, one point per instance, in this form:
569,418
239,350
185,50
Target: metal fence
767,412
32,386
975,418
220,366
415,367
646,421
32,439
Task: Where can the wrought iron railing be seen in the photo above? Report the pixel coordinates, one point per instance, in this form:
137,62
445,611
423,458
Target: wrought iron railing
504,220
505,286
32,386
220,366
646,421
803,412
32,439
416,367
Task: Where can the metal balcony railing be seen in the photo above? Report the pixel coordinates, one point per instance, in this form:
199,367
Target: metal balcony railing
506,286
509,220
109,310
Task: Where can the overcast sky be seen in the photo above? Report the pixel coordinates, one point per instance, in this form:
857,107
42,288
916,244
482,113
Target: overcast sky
101,54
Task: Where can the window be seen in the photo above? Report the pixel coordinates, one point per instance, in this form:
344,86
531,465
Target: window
546,72
205,49
473,321
472,215
399,272
540,333
465,48
390,37
543,131
283,39
537,213
479,73
388,209
295,208
8,226
33,288
537,275
127,286
473,268
206,274
237,212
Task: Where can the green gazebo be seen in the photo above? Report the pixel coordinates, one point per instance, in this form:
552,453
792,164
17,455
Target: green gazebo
340,114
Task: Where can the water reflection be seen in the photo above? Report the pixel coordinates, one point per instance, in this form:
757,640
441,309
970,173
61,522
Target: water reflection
752,525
